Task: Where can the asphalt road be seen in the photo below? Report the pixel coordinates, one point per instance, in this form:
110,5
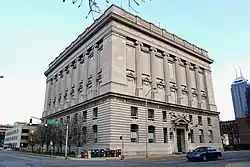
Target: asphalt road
15,159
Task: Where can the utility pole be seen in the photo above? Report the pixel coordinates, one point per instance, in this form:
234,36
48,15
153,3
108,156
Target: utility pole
66,140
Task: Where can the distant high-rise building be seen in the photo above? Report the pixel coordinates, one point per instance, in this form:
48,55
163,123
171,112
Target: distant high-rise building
238,90
248,97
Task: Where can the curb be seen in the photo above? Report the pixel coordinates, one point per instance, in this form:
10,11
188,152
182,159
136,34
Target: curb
107,159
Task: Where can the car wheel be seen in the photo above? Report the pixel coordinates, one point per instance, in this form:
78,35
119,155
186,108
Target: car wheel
216,158
204,158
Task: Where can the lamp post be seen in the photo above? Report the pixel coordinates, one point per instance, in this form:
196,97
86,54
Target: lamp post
146,118
66,140
1,76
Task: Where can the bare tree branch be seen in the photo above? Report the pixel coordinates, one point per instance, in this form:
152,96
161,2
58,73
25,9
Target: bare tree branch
94,7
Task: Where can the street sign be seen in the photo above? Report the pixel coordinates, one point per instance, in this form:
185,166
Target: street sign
53,121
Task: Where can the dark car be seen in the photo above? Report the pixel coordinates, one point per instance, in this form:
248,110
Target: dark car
204,154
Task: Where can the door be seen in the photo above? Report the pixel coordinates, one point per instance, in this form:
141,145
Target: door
179,143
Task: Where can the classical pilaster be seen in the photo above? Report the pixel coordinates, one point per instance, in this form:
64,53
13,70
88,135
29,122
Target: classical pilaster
198,85
166,76
153,69
58,78
77,78
210,90
46,101
178,79
69,82
189,86
138,58
61,90
95,71
85,76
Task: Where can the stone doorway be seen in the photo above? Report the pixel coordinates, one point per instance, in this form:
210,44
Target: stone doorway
181,140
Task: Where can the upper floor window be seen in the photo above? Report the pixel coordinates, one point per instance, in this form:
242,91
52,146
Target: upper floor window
150,114
95,113
134,112
199,120
191,119
209,123
164,116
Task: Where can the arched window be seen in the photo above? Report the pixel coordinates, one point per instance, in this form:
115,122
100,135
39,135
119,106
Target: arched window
134,133
151,134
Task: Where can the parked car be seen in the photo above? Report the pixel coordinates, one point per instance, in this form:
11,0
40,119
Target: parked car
204,154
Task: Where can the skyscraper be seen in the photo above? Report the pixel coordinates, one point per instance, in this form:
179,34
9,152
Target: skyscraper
248,97
238,90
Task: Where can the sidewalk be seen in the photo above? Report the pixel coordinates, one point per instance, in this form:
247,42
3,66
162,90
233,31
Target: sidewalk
169,156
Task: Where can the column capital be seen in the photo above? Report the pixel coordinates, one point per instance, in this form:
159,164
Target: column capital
95,46
165,54
138,43
187,63
152,49
196,67
177,59
66,69
79,58
60,74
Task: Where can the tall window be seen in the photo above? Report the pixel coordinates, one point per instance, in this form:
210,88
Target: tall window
209,121
191,119
95,130
84,134
165,134
191,136
61,120
68,119
201,136
151,134
210,136
164,116
84,116
199,120
134,132
95,113
134,112
75,117
150,114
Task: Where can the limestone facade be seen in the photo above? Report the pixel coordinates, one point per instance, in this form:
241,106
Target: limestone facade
126,74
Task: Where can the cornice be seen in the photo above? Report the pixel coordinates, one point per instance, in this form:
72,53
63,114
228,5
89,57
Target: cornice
116,13
138,100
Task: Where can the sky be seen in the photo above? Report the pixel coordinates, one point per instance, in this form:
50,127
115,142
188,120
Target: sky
33,33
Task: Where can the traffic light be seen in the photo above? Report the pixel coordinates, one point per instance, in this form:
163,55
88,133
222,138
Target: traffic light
30,120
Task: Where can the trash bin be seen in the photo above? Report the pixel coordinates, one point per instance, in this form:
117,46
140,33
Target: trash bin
89,154
85,154
107,152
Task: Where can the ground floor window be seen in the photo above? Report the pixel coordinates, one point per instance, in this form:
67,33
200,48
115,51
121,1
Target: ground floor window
151,134
95,129
134,133
201,136
210,136
165,134
191,136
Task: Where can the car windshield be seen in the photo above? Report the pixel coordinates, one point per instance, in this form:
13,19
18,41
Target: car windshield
200,149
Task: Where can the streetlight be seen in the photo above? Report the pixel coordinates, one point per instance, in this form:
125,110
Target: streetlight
146,117
1,76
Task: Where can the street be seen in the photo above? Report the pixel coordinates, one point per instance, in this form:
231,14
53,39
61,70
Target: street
15,159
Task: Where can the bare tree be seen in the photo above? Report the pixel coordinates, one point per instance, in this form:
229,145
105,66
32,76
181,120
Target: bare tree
94,7
33,139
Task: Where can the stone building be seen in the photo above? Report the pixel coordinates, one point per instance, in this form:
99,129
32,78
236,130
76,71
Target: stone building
244,132
3,128
124,76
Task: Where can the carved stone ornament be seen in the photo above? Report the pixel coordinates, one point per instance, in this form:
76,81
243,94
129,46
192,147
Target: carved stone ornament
184,90
89,84
60,97
194,93
66,94
72,92
160,84
99,76
130,76
203,95
49,104
54,101
173,88
80,86
146,81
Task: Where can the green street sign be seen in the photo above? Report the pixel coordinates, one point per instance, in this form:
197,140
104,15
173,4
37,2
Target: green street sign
53,121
